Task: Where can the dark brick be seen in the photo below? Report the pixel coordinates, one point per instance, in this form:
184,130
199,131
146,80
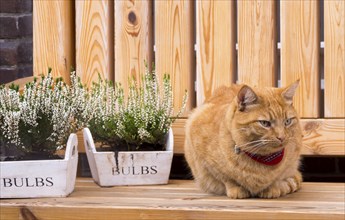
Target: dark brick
25,71
8,52
7,6
8,27
16,57
8,74
15,6
25,25
25,52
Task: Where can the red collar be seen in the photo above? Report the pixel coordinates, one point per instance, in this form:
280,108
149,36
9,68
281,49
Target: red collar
269,160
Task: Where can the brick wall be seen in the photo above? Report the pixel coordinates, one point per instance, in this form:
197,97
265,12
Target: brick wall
15,39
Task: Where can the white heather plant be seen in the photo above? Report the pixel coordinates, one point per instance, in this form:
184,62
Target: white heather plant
143,118
43,116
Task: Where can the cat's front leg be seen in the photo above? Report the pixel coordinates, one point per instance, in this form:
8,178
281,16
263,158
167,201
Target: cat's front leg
235,191
282,187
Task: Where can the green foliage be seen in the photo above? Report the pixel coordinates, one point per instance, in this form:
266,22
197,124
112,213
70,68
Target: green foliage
43,116
142,117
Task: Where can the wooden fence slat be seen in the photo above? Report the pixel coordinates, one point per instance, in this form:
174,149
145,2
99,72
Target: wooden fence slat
300,53
334,14
323,137
320,136
216,58
53,37
133,39
94,40
174,52
257,42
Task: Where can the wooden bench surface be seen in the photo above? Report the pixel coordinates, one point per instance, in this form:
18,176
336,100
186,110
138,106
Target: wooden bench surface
180,199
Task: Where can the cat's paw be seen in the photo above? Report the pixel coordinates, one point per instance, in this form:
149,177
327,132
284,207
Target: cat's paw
274,191
294,183
282,187
237,192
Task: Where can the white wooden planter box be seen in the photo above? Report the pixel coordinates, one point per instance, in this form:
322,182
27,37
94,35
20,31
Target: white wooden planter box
133,168
40,178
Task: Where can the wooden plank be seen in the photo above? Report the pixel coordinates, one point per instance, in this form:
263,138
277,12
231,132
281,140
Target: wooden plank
185,185
257,44
53,37
216,60
154,213
81,146
300,53
133,39
334,22
162,193
321,136
94,40
174,48
179,135
168,203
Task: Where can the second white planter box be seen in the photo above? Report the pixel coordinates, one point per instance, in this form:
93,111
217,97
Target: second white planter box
129,168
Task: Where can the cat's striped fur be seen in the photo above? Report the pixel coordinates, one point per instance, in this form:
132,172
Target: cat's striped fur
257,120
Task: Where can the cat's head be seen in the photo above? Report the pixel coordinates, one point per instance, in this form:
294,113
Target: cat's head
265,120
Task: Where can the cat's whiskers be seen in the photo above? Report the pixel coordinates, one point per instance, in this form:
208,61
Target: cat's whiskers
253,142
238,148
253,146
255,149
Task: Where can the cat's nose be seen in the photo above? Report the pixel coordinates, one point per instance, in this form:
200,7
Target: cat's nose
281,139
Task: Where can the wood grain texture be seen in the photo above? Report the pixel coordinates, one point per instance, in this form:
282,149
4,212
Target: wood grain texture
53,37
81,146
133,39
300,53
177,200
174,43
216,60
334,23
321,136
257,44
94,40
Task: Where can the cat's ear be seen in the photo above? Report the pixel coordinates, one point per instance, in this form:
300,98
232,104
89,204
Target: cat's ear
245,97
289,92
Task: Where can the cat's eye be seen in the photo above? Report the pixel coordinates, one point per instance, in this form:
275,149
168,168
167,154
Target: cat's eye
288,122
264,123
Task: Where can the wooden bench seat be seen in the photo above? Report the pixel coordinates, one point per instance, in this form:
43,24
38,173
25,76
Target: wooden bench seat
180,199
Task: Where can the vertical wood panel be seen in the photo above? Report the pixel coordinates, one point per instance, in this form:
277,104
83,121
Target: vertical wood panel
94,40
257,42
133,39
53,37
174,44
300,53
215,46
334,14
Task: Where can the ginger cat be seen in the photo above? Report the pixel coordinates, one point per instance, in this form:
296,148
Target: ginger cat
246,142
